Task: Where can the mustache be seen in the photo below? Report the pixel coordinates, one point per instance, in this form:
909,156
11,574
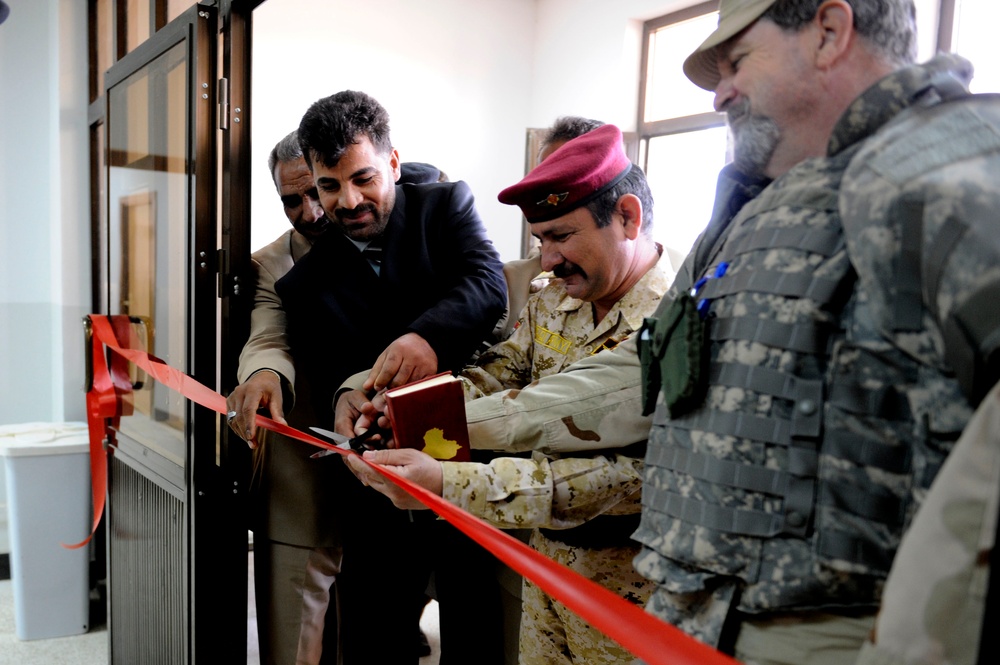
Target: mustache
566,269
346,215
738,111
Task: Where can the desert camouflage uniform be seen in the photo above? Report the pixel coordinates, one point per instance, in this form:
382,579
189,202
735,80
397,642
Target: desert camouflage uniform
594,404
933,603
555,330
836,330
561,493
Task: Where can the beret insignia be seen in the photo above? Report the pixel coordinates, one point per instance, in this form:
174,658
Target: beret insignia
553,199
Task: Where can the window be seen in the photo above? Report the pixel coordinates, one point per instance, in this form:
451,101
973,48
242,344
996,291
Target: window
973,24
684,143
115,28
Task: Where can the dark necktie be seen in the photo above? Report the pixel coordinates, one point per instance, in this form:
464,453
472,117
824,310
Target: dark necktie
374,255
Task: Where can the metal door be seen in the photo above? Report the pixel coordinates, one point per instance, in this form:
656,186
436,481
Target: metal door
176,534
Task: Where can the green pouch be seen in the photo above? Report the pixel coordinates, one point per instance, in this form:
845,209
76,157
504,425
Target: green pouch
650,365
675,357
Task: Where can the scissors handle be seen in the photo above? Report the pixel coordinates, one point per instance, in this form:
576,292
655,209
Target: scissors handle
362,441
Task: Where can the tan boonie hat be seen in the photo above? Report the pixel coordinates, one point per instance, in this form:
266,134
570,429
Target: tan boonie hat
734,17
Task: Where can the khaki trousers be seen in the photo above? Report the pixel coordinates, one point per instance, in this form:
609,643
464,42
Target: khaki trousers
294,590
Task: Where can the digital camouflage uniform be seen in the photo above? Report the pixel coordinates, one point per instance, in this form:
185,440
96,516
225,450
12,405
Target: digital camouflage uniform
864,360
555,492
835,332
933,604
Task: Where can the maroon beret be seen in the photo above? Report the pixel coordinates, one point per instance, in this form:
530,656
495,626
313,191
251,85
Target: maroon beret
572,176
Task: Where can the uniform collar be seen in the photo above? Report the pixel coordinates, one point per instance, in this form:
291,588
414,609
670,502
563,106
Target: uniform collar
631,306
943,76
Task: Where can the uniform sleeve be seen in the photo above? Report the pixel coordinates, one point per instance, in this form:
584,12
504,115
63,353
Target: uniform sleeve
267,347
964,286
920,225
503,366
594,404
513,492
941,569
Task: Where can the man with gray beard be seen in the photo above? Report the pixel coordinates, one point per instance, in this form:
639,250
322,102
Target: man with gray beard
827,390
755,135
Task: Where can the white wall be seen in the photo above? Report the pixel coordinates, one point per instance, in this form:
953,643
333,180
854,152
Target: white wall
44,210
454,76
462,81
44,215
587,56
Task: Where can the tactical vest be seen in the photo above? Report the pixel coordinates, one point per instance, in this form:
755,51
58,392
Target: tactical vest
801,466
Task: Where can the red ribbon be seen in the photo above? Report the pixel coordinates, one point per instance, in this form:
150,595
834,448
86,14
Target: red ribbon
649,638
102,404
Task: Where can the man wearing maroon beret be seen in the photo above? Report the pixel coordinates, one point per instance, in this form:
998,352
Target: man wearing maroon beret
592,211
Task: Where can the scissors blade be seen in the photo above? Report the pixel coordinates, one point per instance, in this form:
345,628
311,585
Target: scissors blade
341,441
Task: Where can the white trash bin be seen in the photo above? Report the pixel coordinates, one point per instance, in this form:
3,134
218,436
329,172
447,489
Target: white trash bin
49,502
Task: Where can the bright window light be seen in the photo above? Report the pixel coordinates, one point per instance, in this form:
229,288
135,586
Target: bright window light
669,94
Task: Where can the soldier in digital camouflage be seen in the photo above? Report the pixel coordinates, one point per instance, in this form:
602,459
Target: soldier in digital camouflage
592,211
823,347
841,317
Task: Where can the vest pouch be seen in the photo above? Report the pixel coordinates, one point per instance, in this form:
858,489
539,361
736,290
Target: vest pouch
650,365
677,347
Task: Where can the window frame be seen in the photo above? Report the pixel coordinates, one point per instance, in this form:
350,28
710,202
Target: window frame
647,130
944,41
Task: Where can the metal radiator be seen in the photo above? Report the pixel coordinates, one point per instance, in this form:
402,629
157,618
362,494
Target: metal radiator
147,583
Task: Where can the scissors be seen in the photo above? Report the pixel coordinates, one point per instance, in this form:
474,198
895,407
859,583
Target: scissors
360,443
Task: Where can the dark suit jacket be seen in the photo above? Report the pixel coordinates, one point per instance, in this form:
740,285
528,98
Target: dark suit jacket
441,278
291,493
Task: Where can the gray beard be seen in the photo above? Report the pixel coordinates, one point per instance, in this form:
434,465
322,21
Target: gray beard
755,138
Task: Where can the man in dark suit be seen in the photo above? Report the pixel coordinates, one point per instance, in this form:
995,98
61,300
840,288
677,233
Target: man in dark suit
406,280
296,545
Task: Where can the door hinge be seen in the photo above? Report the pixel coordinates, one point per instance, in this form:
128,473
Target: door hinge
223,104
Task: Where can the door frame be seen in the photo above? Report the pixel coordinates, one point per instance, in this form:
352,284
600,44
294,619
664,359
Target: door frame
210,487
